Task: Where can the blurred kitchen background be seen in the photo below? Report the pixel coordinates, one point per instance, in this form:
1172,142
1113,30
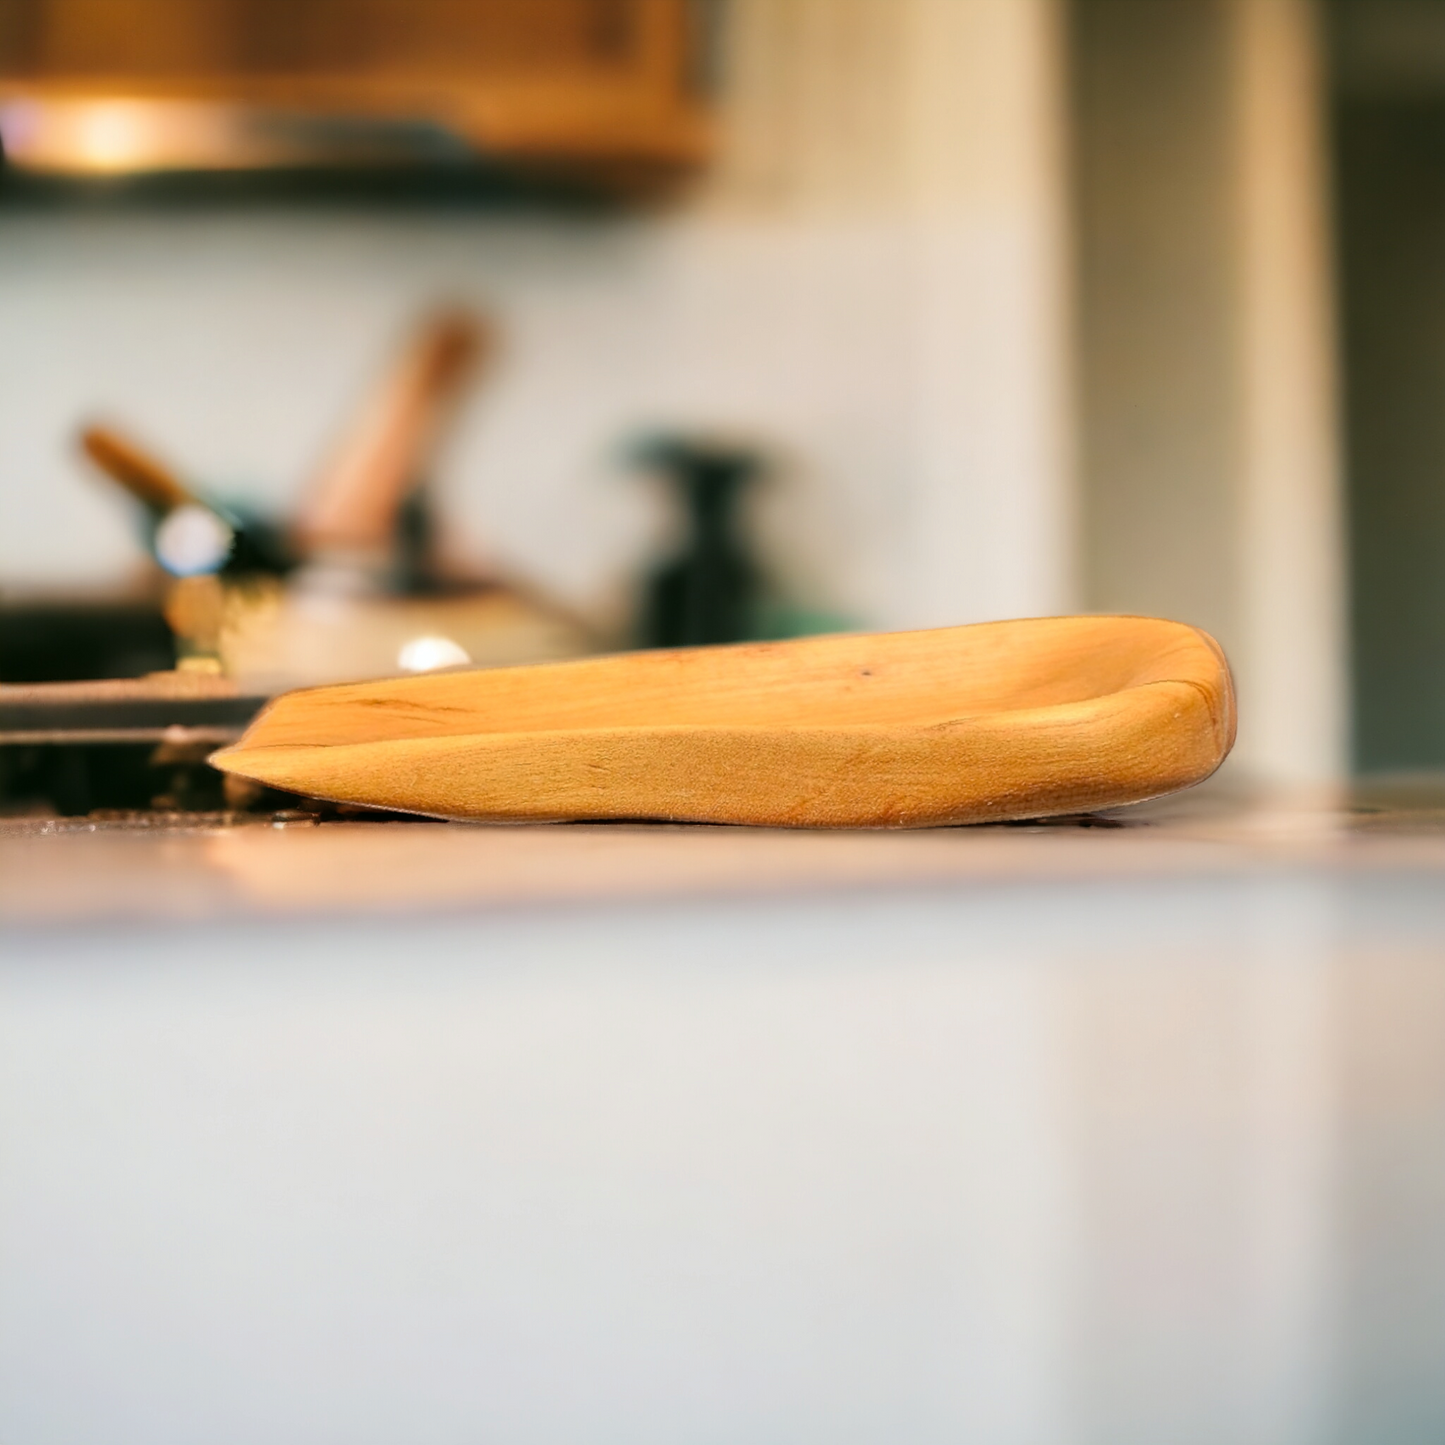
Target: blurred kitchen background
1018,306
384,314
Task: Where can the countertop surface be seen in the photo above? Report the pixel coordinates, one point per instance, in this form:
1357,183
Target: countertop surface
154,867
1124,1129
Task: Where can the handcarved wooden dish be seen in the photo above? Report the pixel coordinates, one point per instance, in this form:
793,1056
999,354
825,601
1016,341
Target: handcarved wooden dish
997,721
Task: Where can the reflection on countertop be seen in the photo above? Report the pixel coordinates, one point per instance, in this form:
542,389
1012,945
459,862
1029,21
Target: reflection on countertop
149,865
1065,1132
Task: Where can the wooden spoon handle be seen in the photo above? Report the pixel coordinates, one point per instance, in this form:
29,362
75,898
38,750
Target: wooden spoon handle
145,477
354,503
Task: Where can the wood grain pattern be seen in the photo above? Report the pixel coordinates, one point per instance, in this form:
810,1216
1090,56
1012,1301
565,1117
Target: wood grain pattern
956,725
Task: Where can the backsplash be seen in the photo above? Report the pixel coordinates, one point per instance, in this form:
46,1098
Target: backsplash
887,320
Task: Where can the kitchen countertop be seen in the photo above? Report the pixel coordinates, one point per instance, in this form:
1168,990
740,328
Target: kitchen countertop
1127,1128
196,866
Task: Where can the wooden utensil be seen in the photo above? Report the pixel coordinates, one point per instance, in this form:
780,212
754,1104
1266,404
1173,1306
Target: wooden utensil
145,477
353,505
959,725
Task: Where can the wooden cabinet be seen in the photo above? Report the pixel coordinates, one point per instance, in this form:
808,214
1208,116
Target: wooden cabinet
594,85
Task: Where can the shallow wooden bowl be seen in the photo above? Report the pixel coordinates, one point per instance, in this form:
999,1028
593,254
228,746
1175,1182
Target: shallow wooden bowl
997,721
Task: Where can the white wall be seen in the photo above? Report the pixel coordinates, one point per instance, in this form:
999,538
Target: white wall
1209,469
870,283
1293,666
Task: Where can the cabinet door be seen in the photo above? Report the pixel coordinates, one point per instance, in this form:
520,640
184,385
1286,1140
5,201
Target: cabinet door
589,81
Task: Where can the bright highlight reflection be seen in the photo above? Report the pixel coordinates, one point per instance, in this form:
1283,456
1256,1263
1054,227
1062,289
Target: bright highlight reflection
427,654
